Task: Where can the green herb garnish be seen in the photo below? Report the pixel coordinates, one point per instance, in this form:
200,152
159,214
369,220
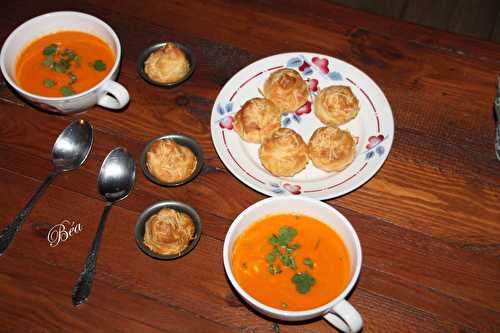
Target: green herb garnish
272,255
274,270
61,62
67,91
49,61
292,248
282,248
284,236
69,54
98,65
288,261
50,50
62,66
48,83
303,282
72,78
308,262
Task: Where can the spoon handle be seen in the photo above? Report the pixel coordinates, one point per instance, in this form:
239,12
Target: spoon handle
8,234
82,288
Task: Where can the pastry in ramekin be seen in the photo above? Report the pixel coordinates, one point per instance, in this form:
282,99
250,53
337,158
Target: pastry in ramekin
257,119
167,65
284,153
168,232
336,105
286,88
170,162
331,148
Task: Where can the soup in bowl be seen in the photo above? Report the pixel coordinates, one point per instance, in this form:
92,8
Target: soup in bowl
295,258
64,62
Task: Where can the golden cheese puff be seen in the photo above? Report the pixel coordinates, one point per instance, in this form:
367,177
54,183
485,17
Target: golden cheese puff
170,162
257,119
332,149
336,105
167,65
284,153
286,88
168,232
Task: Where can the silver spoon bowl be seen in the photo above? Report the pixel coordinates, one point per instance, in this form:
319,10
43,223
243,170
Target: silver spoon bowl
70,151
115,182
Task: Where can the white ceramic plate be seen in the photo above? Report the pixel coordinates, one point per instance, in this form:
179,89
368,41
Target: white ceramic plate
374,126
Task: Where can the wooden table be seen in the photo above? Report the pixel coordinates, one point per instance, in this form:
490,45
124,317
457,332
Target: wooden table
429,221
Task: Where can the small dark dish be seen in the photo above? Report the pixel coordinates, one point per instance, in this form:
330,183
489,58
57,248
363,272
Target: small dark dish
154,209
145,54
182,140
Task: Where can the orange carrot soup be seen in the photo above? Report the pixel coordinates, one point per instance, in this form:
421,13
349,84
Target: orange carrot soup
63,63
291,262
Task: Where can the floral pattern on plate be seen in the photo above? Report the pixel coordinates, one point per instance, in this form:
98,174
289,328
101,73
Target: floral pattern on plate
374,126
285,188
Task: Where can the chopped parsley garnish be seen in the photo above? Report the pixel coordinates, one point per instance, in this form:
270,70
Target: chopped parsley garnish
288,261
308,262
274,270
69,54
61,62
62,66
50,50
67,91
98,65
48,83
72,78
303,282
272,255
285,236
283,250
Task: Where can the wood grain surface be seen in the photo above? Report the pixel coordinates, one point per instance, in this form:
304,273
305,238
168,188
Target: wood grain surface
429,221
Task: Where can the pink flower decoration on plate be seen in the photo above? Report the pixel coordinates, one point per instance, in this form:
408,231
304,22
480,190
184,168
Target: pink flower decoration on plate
313,84
294,189
304,66
322,64
227,122
306,108
374,140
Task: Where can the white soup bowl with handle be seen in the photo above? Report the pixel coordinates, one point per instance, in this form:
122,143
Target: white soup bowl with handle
107,93
338,311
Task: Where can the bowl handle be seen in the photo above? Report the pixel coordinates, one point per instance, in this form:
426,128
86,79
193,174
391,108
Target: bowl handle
116,96
345,317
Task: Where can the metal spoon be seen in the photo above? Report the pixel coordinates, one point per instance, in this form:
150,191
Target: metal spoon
115,182
69,152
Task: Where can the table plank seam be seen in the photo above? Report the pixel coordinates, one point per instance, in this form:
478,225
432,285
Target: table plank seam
122,289
420,311
140,190
434,290
117,205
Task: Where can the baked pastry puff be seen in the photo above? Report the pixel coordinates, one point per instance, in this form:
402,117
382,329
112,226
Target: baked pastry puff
257,118
286,88
336,105
331,148
167,65
170,162
168,232
284,153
